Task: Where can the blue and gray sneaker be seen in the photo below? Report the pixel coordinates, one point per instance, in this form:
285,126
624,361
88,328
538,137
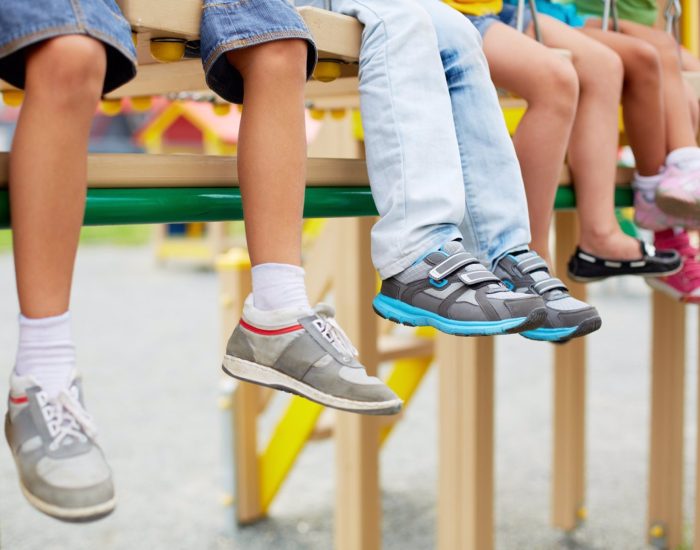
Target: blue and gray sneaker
450,290
567,317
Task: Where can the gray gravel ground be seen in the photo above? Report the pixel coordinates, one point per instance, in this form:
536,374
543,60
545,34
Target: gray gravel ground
148,344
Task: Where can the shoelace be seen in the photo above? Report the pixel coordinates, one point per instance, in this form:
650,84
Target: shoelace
66,418
331,331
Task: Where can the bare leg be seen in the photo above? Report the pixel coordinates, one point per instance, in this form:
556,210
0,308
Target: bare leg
642,98
272,149
594,140
549,84
678,123
689,61
63,86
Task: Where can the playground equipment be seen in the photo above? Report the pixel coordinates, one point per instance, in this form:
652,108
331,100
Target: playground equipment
163,188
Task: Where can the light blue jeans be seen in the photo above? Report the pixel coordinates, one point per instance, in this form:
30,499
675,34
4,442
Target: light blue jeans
440,160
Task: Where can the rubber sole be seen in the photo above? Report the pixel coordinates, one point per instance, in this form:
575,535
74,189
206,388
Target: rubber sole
406,314
71,515
654,283
580,279
272,378
677,208
564,334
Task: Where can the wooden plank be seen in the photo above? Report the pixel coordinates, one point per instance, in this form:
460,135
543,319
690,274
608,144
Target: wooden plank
665,507
337,36
568,464
358,499
134,170
693,78
162,79
696,540
466,422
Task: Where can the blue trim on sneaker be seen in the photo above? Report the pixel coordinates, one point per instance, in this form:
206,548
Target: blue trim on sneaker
396,310
550,334
438,284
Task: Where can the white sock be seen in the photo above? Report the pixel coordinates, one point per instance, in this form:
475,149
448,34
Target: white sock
646,184
279,286
46,352
684,158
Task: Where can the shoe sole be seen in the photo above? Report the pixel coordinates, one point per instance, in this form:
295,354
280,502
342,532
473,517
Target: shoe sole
654,283
71,515
272,378
579,279
677,208
411,316
563,335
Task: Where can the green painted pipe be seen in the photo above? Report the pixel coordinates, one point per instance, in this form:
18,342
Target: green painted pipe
169,205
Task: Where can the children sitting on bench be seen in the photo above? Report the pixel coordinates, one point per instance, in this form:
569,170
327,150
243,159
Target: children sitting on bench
571,104
261,47
660,128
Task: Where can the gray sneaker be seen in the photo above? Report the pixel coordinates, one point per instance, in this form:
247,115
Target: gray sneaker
450,290
62,471
306,353
567,317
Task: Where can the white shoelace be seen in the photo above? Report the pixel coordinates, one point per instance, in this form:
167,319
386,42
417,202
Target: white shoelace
331,331
66,418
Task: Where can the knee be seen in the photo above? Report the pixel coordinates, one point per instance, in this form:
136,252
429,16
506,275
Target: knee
602,73
69,70
283,60
644,65
667,47
558,88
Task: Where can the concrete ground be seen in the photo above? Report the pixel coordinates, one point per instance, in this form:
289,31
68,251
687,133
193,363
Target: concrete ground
148,341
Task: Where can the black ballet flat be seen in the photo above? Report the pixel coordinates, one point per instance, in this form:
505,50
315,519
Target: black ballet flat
585,267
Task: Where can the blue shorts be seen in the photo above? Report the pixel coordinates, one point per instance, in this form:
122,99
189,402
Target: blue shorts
507,16
229,25
27,22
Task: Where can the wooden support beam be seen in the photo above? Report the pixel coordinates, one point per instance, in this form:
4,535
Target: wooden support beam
569,445
234,276
466,424
665,511
696,541
137,171
358,499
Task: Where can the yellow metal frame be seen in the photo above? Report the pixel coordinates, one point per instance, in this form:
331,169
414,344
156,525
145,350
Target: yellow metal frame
690,26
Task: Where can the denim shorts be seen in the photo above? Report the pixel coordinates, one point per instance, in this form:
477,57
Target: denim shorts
507,16
27,22
229,25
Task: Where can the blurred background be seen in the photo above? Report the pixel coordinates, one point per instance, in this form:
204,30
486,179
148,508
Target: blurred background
146,310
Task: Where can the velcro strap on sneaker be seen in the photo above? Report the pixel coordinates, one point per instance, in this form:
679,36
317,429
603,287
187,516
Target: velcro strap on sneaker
529,265
478,276
452,264
549,284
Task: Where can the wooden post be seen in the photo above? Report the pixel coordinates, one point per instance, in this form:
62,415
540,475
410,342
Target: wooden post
465,478
696,541
234,274
358,498
665,512
569,445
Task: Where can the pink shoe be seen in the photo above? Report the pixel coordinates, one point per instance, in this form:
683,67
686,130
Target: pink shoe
649,216
678,194
684,285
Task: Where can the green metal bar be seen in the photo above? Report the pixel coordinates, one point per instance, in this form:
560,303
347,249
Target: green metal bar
169,205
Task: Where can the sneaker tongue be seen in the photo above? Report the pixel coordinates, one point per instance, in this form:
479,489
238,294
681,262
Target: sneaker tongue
452,247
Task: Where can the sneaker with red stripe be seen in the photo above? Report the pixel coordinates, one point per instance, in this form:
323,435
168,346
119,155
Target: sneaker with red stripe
305,352
62,470
684,285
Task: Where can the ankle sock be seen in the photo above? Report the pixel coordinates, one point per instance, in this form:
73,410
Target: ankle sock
279,286
46,352
646,185
685,158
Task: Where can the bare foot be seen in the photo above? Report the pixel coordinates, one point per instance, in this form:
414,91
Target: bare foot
616,246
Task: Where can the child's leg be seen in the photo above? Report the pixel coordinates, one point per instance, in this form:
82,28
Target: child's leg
272,168
47,192
678,125
593,146
549,84
63,85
